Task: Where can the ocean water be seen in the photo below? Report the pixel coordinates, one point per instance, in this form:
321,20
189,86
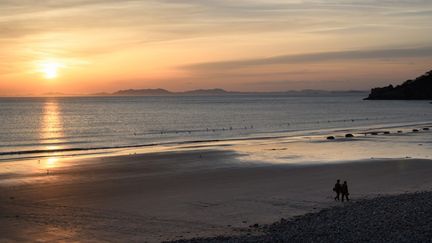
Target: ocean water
31,127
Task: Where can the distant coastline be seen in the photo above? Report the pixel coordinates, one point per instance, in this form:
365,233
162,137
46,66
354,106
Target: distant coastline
216,91
197,92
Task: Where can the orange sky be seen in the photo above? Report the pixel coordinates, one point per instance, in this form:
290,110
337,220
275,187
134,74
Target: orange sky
81,47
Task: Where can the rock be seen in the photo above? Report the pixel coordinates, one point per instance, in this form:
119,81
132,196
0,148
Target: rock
330,137
374,133
415,130
426,129
386,132
349,135
417,89
399,131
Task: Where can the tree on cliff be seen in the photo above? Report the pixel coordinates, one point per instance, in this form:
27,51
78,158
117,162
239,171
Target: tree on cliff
417,89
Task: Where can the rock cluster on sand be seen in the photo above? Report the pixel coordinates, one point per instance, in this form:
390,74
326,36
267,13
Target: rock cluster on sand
402,218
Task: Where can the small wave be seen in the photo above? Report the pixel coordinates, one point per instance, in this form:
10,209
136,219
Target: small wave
40,151
283,134
45,144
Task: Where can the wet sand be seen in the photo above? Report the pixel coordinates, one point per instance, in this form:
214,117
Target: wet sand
165,196
200,190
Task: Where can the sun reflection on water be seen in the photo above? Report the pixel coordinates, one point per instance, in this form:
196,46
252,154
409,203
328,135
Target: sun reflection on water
51,132
52,125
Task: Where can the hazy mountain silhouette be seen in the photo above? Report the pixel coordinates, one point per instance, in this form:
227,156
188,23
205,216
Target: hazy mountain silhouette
142,92
417,89
207,92
216,92
54,94
160,92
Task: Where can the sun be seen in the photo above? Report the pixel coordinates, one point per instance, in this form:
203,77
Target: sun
49,69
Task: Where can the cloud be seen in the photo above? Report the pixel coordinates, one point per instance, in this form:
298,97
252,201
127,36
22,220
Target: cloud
194,29
414,13
297,84
194,17
314,58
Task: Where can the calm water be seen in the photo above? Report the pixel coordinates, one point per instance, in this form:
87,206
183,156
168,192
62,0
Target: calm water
33,126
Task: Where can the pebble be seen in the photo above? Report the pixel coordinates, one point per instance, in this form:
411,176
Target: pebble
400,218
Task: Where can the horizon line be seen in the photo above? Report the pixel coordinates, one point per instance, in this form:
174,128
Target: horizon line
173,93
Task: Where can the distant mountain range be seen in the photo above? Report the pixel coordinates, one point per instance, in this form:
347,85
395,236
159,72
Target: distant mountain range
164,92
417,89
202,92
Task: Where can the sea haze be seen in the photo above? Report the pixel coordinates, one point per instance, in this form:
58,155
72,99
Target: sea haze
36,126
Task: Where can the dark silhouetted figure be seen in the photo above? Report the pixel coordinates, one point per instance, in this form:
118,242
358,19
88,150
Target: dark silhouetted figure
337,188
344,191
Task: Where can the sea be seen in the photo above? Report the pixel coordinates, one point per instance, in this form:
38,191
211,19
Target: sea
38,127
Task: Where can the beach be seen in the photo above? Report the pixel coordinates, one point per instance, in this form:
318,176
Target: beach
215,121
202,189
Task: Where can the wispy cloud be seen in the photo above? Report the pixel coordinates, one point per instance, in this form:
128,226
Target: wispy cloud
216,35
197,17
315,58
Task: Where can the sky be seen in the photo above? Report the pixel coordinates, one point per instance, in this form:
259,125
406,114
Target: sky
90,46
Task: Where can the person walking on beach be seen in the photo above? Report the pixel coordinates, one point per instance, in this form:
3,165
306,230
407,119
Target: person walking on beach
337,188
344,191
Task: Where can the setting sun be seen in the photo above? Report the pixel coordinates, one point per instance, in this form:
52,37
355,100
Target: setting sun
50,69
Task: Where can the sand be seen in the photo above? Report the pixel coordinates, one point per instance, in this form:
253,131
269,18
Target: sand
189,192
396,218
170,196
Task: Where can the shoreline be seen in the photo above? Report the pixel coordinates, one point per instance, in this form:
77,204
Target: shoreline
184,194
204,189
315,134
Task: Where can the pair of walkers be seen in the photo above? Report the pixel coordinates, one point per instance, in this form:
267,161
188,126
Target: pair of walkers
341,190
